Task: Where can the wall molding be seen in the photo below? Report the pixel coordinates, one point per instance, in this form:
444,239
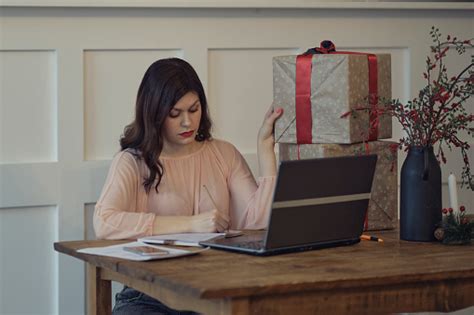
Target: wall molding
242,4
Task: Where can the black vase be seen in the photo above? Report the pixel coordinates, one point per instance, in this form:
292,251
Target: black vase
420,195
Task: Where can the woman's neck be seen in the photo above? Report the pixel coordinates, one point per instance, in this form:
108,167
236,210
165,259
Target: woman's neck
170,151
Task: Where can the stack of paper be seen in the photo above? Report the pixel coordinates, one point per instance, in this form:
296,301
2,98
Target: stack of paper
186,239
117,251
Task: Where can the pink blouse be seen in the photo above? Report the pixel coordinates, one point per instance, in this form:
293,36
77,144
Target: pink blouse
125,210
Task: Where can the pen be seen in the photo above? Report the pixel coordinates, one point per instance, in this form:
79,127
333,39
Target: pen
370,238
212,199
168,242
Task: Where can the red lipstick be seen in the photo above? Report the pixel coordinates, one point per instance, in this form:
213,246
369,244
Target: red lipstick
187,134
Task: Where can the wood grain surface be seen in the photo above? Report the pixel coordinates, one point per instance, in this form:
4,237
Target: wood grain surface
219,274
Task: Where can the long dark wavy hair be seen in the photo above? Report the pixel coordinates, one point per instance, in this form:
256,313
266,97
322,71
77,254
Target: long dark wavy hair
164,83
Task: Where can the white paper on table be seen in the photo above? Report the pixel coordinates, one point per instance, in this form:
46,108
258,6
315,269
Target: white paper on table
117,251
186,239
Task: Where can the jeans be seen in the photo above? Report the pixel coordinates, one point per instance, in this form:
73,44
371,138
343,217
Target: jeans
130,301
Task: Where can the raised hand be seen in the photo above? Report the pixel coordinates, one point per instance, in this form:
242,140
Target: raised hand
266,142
265,134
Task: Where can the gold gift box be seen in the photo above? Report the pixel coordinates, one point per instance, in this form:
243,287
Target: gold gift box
339,84
383,205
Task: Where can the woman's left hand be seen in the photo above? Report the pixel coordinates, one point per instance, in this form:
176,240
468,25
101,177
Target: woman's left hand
266,143
265,135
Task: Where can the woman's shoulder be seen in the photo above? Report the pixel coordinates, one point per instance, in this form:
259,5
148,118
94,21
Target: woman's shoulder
126,158
224,149
127,154
223,146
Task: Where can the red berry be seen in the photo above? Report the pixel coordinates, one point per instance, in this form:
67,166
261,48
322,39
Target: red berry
462,208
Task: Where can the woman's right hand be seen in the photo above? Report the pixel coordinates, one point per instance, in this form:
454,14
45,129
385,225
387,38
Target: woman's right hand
210,222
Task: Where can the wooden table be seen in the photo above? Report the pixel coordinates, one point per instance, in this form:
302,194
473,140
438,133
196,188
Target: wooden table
366,278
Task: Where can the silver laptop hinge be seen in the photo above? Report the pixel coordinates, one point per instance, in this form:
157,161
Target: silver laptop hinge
319,201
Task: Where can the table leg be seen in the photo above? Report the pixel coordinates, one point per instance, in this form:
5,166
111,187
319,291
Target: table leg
98,292
239,307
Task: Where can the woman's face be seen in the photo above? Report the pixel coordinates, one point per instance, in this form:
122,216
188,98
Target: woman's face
182,123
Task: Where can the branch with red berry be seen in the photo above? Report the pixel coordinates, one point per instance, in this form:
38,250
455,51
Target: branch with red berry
438,114
455,227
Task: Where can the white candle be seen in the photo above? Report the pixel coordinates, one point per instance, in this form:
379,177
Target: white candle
453,193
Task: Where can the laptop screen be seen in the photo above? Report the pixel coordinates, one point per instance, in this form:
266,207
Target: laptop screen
320,200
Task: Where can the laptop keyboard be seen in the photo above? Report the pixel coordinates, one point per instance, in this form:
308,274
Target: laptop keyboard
251,244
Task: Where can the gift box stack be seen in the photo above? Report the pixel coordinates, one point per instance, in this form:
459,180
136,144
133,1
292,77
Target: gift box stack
330,101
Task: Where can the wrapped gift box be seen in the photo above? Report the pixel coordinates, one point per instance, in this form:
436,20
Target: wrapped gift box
383,206
339,83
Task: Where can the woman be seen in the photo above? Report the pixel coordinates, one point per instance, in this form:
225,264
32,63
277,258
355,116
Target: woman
156,183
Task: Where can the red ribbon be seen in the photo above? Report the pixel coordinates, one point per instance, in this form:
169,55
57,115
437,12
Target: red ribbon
304,116
366,220
393,150
367,148
373,97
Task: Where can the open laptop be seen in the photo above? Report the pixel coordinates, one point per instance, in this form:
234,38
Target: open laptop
317,203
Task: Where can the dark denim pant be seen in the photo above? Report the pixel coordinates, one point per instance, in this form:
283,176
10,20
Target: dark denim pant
130,301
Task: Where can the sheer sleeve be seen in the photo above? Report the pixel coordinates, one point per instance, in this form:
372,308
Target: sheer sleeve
250,200
116,215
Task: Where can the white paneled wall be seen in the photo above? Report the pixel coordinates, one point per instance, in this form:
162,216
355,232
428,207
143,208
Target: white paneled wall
239,103
107,106
29,101
69,78
28,268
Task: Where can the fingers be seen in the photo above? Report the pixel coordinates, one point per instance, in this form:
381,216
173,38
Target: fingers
269,111
220,227
273,115
266,130
220,220
273,112
276,114
222,214
211,221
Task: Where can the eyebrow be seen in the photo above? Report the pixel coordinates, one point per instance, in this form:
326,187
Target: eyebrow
180,110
